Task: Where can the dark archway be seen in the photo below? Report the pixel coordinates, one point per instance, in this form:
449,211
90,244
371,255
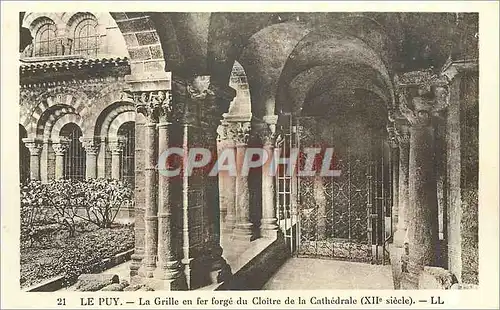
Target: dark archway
74,158
24,156
126,133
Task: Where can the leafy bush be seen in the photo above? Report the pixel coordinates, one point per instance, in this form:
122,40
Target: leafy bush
82,254
46,208
37,218
102,200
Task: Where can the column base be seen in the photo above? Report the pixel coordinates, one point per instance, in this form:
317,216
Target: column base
409,282
269,233
229,224
135,265
244,232
171,271
177,284
410,278
269,228
396,252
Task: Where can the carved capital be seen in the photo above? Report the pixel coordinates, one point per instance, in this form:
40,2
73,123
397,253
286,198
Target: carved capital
392,137
239,132
222,131
90,145
116,146
265,132
34,148
422,95
154,105
402,135
33,145
60,148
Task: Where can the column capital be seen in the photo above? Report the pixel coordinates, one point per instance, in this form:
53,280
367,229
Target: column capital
90,144
222,129
239,132
60,148
33,145
422,95
116,146
154,104
392,137
265,130
402,135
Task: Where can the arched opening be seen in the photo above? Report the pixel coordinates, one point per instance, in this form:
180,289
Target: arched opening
24,156
343,215
126,134
86,37
74,158
45,39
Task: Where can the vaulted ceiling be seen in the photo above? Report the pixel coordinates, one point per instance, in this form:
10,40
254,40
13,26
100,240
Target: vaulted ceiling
290,58
294,58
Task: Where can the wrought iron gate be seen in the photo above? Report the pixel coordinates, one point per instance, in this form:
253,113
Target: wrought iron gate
340,217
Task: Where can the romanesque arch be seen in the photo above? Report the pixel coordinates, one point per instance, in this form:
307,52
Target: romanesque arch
76,119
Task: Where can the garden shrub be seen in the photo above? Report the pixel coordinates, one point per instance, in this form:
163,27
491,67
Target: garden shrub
37,218
46,208
82,254
103,199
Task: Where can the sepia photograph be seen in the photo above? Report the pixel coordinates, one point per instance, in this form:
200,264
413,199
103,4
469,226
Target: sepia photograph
247,151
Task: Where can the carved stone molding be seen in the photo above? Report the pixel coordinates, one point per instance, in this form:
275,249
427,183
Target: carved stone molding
116,147
422,95
60,148
402,135
154,105
90,145
239,132
392,136
222,134
265,130
34,146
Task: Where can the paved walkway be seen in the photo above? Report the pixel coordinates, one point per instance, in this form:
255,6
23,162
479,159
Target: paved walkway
314,274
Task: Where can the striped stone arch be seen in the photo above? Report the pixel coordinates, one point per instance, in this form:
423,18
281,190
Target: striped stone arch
46,128
103,128
66,119
60,95
143,42
112,95
121,119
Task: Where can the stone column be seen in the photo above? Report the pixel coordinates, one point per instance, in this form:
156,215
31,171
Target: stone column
91,149
401,138
145,105
269,226
116,148
59,149
218,99
428,96
169,265
35,149
227,183
240,133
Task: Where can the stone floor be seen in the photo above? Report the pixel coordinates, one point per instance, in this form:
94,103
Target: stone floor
313,274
